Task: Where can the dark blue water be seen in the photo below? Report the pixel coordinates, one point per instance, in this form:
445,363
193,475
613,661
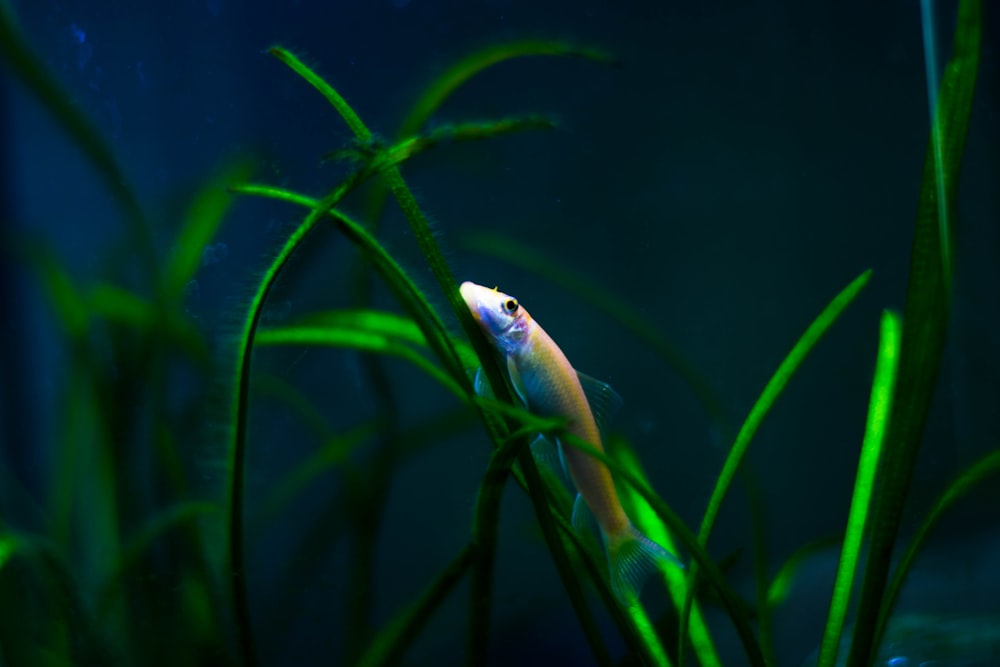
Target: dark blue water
737,166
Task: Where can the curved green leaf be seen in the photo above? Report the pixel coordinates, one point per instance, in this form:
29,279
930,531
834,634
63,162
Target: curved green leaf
879,406
761,408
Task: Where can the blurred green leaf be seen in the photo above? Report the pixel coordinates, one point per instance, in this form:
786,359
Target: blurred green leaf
28,67
204,216
784,580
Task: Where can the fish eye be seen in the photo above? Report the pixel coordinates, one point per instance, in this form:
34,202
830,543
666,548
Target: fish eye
510,306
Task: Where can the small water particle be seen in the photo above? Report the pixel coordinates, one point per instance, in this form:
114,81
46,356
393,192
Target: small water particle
84,52
278,311
214,253
192,290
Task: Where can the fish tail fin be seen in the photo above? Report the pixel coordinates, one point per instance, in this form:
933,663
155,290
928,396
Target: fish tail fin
632,557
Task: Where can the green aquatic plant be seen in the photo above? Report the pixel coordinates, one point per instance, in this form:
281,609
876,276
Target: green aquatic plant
87,610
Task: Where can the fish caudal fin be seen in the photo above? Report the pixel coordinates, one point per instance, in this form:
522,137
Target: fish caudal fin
632,557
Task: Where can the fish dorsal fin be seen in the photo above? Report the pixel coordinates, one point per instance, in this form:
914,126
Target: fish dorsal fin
605,403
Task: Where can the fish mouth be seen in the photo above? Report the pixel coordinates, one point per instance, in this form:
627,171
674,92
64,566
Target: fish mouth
470,293
480,300
468,290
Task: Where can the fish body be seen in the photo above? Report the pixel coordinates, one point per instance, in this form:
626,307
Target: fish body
548,385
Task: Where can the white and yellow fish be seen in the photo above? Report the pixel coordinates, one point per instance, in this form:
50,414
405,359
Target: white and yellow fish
549,386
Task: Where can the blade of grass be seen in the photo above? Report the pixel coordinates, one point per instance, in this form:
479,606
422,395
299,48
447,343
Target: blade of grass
240,377
976,474
157,526
647,631
14,49
204,216
925,323
485,537
461,72
443,86
377,159
557,549
646,520
759,541
687,539
396,635
334,451
781,584
357,340
879,407
759,411
43,617
405,291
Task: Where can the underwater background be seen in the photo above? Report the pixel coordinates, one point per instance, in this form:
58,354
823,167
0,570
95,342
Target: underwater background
676,191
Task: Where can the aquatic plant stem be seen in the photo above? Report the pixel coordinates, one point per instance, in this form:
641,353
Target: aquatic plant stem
687,539
485,537
436,336
649,523
879,406
445,85
391,643
976,474
772,390
557,549
928,28
925,325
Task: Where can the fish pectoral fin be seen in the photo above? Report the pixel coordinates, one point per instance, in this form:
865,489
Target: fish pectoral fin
481,385
585,524
631,559
605,403
548,455
515,379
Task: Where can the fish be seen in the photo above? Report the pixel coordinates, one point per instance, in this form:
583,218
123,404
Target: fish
549,386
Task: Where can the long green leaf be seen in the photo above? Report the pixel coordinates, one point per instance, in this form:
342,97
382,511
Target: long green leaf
783,581
687,539
925,321
357,340
452,79
15,50
879,407
759,411
200,224
461,72
485,537
976,474
646,520
154,529
391,643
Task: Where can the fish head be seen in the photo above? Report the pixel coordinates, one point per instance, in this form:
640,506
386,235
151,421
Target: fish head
499,315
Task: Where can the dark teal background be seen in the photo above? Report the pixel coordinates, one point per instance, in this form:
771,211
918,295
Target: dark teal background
744,162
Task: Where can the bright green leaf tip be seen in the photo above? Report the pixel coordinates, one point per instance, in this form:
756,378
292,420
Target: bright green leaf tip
879,407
